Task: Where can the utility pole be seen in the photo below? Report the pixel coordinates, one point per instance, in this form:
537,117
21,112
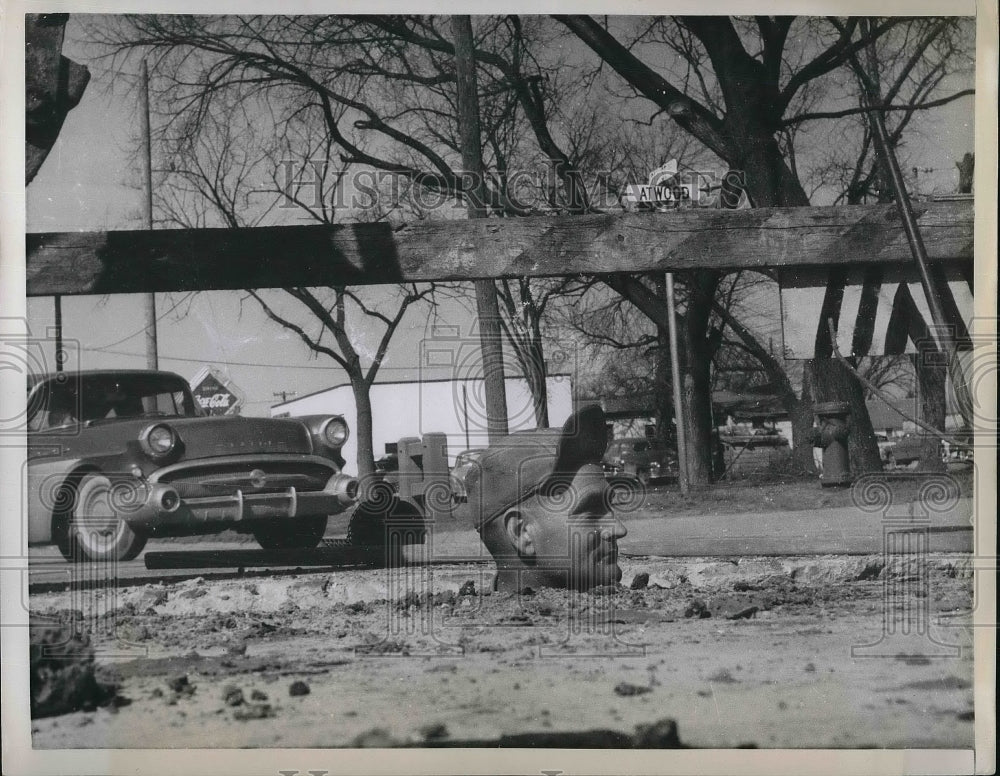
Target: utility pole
487,307
683,473
149,300
284,395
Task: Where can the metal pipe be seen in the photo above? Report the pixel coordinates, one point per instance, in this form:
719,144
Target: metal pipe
675,368
943,337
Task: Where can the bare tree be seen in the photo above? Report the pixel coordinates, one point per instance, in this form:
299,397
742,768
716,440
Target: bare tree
376,94
382,88
210,171
740,89
329,307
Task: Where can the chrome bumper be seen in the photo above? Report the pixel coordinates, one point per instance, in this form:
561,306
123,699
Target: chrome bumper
163,505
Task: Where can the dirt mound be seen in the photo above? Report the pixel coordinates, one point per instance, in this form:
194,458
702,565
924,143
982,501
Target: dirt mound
62,671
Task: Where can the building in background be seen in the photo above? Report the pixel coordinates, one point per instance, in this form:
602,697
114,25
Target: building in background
455,407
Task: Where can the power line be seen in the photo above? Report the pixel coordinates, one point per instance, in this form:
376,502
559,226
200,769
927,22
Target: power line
144,328
221,363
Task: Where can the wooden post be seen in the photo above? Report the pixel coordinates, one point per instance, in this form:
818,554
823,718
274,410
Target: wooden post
487,307
149,301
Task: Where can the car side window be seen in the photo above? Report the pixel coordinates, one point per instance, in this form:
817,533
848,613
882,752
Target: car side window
56,411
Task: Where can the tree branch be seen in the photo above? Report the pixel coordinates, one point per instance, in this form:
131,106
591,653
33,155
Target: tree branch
837,114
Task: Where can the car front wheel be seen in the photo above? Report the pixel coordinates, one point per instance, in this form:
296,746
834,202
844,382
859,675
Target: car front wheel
300,533
94,531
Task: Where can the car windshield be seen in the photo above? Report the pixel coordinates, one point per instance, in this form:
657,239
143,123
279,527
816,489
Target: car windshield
104,397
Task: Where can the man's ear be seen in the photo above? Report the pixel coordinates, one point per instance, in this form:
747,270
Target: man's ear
519,532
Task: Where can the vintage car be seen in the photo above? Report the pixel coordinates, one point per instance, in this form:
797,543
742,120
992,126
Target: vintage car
884,442
908,449
639,457
117,457
465,462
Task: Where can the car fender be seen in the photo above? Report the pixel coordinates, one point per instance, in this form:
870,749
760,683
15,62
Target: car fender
46,479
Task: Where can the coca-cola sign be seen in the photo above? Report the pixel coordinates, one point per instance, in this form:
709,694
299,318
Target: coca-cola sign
215,394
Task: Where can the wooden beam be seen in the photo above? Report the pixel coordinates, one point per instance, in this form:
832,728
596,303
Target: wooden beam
366,254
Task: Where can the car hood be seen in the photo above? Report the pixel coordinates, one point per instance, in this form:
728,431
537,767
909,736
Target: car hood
206,437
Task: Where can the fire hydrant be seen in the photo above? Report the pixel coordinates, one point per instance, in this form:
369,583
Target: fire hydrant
830,434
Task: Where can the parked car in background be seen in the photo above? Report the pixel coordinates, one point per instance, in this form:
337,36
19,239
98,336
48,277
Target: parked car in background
465,462
963,450
908,448
639,457
884,442
116,457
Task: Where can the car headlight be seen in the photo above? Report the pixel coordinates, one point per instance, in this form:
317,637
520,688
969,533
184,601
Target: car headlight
158,441
335,432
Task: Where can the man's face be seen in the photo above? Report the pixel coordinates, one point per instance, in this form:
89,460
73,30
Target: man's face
574,534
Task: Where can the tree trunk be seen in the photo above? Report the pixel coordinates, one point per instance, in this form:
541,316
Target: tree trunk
538,381
696,376
663,394
831,381
363,431
800,412
931,373
966,168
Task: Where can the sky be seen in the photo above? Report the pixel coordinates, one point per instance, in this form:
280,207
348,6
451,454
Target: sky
85,185
90,181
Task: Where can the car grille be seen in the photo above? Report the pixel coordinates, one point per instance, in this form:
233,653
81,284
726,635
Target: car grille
202,479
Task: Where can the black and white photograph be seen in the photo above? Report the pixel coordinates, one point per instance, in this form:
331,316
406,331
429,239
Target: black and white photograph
557,384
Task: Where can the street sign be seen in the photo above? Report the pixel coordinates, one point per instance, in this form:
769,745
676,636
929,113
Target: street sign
664,188
215,393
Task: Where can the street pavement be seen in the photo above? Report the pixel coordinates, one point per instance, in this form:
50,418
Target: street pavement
824,531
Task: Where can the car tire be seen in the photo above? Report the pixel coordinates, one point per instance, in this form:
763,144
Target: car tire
890,460
643,476
93,532
300,533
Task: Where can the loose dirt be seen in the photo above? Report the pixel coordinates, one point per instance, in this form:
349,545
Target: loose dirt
789,652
